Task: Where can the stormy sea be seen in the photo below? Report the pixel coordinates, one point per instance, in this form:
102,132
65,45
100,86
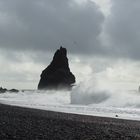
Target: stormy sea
123,104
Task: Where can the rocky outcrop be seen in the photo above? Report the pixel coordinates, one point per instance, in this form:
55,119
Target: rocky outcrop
3,90
57,75
13,90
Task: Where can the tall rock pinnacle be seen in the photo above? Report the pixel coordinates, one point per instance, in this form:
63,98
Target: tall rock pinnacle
57,75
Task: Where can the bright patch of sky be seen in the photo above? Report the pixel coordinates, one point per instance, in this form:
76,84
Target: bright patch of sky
104,5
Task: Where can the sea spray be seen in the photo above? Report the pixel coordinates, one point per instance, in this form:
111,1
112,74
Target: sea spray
88,95
93,94
83,99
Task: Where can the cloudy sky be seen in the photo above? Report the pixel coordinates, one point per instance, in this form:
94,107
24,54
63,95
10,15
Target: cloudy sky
101,36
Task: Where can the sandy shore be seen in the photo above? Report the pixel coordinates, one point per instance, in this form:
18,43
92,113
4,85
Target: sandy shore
33,124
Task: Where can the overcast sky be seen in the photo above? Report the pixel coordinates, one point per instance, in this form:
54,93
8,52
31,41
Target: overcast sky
101,36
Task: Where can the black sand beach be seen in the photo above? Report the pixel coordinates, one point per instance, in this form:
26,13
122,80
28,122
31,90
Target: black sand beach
32,124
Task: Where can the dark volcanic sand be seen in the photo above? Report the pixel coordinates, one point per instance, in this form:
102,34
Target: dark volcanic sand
33,124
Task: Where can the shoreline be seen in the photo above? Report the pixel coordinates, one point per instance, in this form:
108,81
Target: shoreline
95,114
27,123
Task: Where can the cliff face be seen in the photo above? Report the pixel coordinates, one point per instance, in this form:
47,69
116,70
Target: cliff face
57,74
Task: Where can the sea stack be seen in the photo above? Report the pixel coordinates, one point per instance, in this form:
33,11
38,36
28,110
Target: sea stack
57,75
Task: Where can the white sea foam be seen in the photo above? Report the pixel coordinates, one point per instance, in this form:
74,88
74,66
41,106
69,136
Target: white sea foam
90,100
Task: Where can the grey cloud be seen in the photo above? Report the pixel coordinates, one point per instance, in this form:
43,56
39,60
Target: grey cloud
47,24
123,28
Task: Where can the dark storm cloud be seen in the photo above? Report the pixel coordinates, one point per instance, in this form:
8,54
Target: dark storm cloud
47,24
123,28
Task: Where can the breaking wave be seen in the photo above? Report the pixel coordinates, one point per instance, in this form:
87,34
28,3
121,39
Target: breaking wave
106,98
83,99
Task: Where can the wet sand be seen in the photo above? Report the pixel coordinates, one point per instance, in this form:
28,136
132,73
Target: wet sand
33,124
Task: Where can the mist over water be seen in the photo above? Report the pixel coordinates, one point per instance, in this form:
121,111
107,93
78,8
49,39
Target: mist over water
88,97
93,92
106,98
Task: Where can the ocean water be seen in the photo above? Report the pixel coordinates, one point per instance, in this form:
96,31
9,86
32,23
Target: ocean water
89,101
